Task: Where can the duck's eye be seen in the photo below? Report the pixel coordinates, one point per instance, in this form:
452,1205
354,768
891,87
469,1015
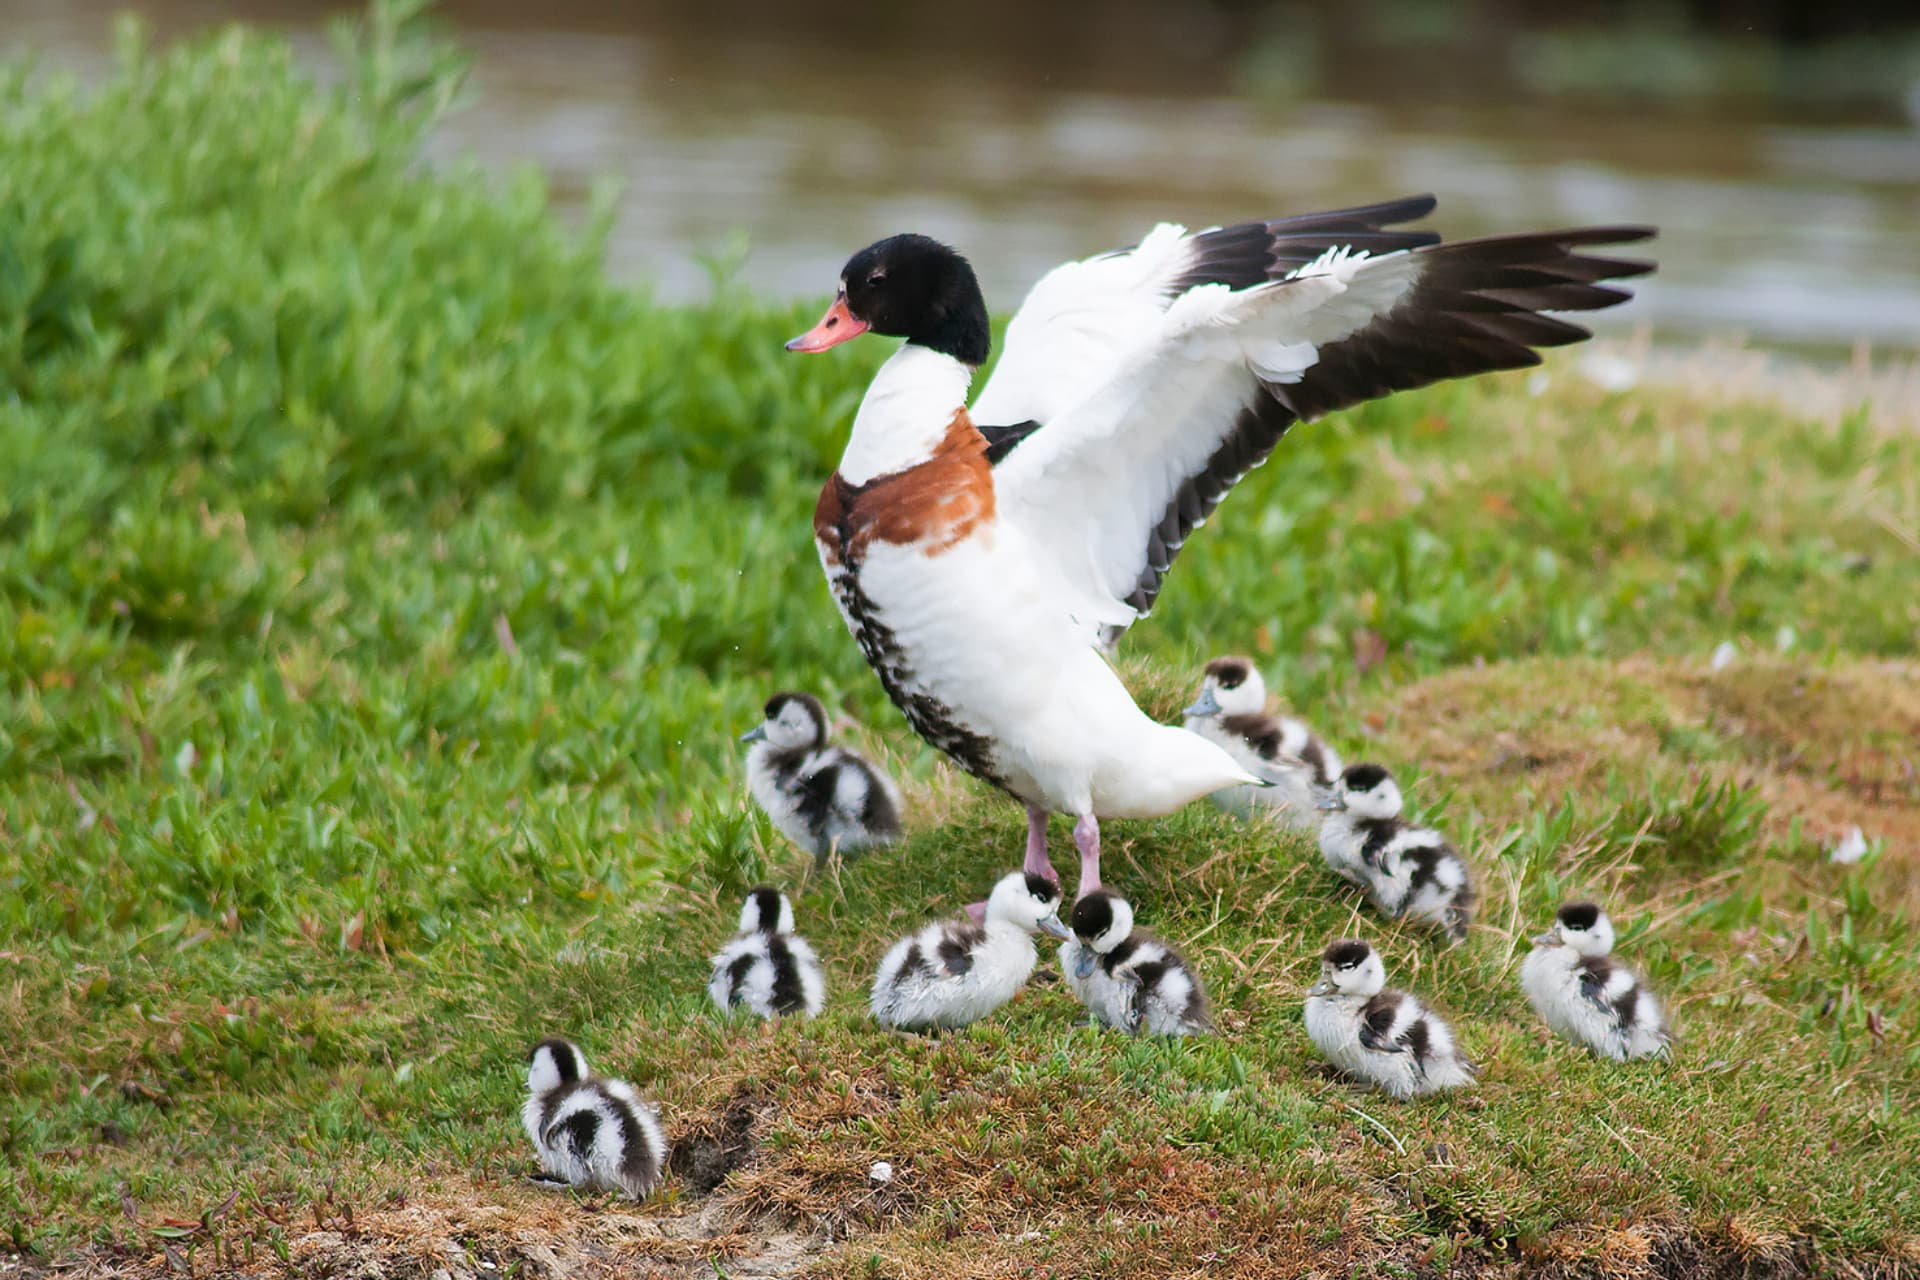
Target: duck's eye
877,278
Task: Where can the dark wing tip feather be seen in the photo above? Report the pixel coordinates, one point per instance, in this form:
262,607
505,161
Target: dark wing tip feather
1250,253
1384,214
1475,307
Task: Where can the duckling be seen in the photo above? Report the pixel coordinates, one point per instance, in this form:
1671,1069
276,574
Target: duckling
1231,713
953,972
822,797
589,1131
767,968
1128,978
1587,996
1408,871
1386,1038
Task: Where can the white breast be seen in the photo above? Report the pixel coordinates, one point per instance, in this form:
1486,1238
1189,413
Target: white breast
1064,731
1107,997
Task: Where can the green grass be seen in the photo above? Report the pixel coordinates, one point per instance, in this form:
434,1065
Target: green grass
381,591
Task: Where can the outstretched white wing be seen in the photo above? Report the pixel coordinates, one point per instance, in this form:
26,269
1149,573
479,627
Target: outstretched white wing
1081,318
1114,483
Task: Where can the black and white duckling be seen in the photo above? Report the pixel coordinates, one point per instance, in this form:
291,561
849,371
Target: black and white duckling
1386,1038
767,969
1128,978
954,972
822,797
590,1132
1410,872
1231,712
1586,995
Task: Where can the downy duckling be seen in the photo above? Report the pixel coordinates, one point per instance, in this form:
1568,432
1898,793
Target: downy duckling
1587,996
1408,871
589,1131
1127,977
767,969
822,797
953,972
1386,1038
1231,712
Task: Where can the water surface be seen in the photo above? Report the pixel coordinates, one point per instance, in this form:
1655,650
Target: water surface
804,145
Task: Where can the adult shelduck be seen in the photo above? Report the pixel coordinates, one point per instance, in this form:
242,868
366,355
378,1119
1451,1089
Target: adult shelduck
986,560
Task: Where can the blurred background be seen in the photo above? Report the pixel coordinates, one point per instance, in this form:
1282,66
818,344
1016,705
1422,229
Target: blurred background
1776,143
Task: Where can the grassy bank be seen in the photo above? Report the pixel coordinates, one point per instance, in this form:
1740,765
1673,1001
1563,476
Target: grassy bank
381,591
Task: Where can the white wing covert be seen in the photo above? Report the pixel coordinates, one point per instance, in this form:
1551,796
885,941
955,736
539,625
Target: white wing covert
1114,484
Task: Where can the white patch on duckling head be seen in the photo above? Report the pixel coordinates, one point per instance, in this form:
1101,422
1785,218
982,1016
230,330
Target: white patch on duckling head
552,1064
1234,686
1584,927
1102,920
1350,967
1029,902
795,721
1369,791
766,911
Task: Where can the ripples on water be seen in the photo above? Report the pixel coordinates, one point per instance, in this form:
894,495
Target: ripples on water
1789,233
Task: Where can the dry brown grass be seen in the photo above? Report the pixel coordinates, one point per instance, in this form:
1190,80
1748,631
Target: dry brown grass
1828,747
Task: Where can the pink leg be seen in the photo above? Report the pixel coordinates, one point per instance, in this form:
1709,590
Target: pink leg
1037,863
1086,836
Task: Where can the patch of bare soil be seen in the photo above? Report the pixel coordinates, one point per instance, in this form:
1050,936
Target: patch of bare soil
469,1231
